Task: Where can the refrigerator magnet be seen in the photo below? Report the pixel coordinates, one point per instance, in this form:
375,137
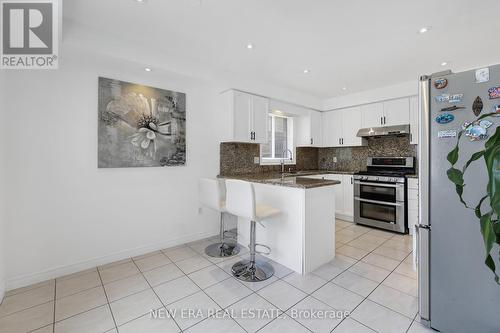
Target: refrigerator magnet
445,118
443,98
440,83
455,98
482,75
477,106
496,109
476,131
447,134
494,92
452,108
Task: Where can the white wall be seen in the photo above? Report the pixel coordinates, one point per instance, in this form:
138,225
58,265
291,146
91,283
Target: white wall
403,89
64,213
2,187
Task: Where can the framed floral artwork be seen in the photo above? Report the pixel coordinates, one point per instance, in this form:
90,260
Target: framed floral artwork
140,126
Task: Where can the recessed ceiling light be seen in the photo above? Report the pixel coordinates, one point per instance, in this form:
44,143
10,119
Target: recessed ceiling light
306,71
423,30
249,46
147,69
344,88
444,63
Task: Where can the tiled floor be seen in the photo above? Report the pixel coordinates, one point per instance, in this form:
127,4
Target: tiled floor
371,276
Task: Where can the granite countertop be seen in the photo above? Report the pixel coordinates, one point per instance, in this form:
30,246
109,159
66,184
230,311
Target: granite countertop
289,180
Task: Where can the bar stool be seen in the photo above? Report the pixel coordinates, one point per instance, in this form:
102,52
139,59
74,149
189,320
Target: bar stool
240,201
212,196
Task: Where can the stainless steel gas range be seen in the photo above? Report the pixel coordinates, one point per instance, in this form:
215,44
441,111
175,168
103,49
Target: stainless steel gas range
380,193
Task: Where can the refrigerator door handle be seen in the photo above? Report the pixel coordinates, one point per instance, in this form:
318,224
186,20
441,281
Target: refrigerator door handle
423,241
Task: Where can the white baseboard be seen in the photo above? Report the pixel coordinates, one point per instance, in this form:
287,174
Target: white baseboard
52,273
347,218
2,290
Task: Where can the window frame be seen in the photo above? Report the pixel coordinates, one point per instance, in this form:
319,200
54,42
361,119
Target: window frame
290,139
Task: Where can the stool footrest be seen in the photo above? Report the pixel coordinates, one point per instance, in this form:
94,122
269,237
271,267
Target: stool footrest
267,248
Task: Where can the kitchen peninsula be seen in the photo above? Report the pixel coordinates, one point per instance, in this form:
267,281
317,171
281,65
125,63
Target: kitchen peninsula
302,237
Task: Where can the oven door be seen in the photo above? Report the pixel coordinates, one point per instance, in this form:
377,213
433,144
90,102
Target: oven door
386,192
380,214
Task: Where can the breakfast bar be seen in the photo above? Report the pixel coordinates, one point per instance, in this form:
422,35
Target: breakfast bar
302,237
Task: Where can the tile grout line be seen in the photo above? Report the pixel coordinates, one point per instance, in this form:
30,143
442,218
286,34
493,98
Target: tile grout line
107,299
55,299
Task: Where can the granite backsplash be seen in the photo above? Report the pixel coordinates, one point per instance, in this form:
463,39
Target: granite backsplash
238,158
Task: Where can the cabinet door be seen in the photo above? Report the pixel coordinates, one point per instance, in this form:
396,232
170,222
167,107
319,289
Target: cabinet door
397,112
414,120
339,192
260,113
316,137
242,106
302,128
348,184
332,128
372,115
351,123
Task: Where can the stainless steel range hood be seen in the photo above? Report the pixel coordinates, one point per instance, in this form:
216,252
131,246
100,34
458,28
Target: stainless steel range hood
384,131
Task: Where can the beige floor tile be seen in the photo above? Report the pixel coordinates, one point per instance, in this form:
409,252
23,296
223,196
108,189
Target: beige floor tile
416,327
406,269
96,320
363,244
228,264
381,261
163,274
256,286
369,271
216,325
307,283
77,284
80,302
150,262
355,283
146,324
200,246
279,270
227,292
327,271
310,305
399,245
351,326
174,290
193,264
282,294
200,303
79,273
373,239
30,287
382,233
208,276
343,224
118,272
380,318
402,283
46,329
27,299
115,263
342,262
134,306
391,253
337,297
352,252
344,239
284,324
395,300
125,287
180,253
253,303
145,255
29,319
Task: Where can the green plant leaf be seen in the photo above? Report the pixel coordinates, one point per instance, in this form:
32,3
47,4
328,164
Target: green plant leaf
492,160
453,155
473,158
489,236
456,176
491,265
477,209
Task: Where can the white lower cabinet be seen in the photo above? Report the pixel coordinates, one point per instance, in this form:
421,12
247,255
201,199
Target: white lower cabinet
344,194
412,203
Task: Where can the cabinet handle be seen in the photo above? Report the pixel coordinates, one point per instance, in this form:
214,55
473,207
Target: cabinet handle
351,180
381,120
254,136
311,140
384,121
339,141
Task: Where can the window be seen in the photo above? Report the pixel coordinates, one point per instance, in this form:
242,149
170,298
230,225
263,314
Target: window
280,138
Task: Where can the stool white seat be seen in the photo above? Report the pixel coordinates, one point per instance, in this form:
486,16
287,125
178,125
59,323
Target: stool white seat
212,196
240,201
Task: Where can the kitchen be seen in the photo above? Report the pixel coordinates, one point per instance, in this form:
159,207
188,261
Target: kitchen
315,167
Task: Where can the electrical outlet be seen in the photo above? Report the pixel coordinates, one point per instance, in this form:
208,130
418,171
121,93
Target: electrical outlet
334,159
256,160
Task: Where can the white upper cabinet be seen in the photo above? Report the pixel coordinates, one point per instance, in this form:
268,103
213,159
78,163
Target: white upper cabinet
248,116
372,115
351,121
388,113
414,120
397,112
340,128
309,130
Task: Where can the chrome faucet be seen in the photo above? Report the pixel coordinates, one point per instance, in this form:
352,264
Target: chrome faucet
283,154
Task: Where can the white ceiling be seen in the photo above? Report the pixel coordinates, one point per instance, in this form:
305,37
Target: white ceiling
360,44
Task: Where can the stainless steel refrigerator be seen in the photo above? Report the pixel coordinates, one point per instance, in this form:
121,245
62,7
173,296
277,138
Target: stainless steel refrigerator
457,291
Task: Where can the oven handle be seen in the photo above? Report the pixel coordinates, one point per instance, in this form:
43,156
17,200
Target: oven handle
378,202
379,184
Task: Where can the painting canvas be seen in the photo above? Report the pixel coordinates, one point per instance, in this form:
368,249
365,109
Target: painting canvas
140,126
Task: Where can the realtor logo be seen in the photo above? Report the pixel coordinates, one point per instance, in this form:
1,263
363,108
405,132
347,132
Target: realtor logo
29,34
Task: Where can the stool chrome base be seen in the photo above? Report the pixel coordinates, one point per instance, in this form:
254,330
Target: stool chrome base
256,271
222,250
